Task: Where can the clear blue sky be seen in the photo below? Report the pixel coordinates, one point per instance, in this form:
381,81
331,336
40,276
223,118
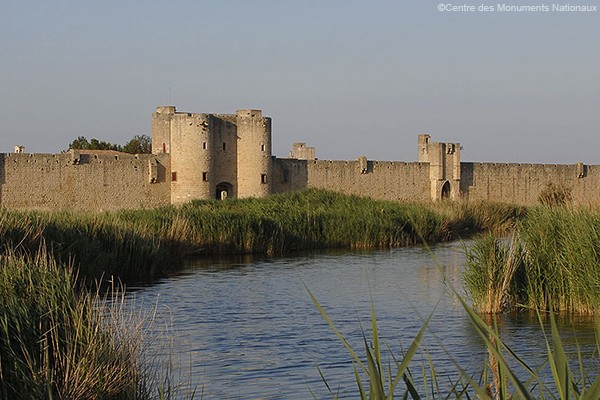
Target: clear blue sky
349,77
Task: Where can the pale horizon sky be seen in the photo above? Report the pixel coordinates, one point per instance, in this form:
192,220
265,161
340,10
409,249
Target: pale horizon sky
351,78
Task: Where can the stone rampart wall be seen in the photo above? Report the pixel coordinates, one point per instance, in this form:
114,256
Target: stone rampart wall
84,181
510,183
523,183
110,181
377,179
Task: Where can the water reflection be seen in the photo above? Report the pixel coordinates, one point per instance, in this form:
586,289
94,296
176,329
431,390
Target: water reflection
247,328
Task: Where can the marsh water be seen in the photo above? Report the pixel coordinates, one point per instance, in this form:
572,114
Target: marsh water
247,328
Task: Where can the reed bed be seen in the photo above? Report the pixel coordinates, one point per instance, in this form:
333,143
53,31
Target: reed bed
563,253
143,244
94,243
58,341
494,274
466,218
553,263
294,221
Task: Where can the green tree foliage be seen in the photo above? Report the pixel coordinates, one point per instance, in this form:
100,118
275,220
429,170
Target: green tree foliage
81,143
140,144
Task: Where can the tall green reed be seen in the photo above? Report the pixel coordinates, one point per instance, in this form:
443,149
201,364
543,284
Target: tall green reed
498,379
495,274
59,340
563,252
552,263
55,339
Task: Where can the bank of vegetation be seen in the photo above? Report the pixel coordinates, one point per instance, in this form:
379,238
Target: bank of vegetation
141,244
552,262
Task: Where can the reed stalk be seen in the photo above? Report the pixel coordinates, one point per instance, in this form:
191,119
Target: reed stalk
377,381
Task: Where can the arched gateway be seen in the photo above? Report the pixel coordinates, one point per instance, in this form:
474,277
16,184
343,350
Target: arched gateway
446,190
224,191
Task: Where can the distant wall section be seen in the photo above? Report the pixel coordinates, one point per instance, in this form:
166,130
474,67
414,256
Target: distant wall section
385,180
84,181
523,183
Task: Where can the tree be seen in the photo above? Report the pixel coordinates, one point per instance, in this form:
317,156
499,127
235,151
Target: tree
140,144
96,144
81,143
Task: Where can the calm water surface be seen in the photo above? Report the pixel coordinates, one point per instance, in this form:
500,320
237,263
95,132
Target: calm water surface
247,329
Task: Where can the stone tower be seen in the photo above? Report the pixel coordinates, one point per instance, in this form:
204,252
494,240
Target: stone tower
192,156
254,164
214,155
161,129
444,167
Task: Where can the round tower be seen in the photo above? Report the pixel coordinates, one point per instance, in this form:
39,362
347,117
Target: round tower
254,165
192,157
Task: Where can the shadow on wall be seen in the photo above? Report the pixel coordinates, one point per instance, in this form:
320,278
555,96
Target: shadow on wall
289,174
466,176
161,172
446,190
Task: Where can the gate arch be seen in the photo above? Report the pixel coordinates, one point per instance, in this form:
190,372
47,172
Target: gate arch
224,191
446,189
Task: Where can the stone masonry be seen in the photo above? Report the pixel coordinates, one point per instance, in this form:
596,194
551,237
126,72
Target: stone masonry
220,156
